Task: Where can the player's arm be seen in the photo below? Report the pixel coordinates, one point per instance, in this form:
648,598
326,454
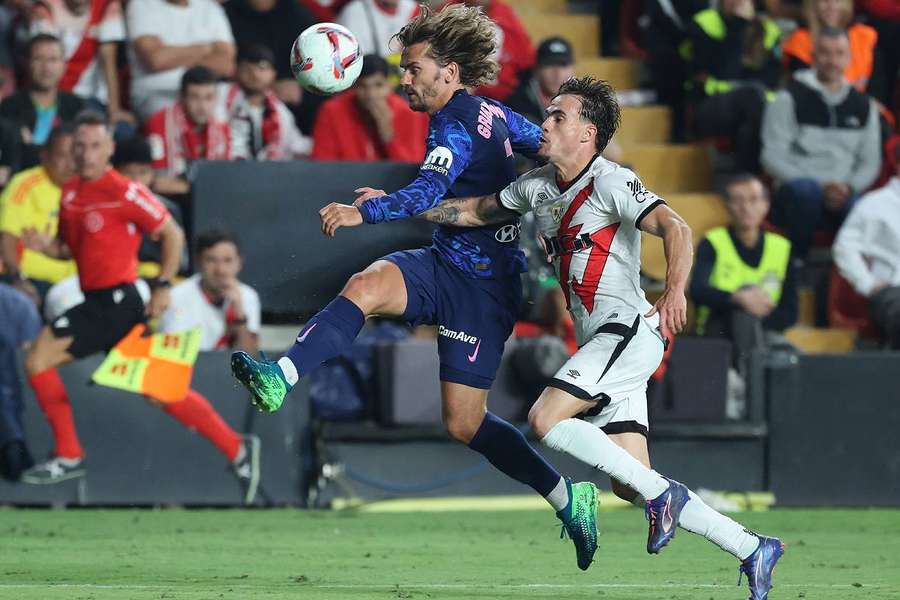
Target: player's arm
469,212
171,241
664,222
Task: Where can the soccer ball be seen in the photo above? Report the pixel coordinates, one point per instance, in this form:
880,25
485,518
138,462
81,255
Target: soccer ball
326,59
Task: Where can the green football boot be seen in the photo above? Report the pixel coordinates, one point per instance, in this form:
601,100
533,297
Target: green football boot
579,521
262,378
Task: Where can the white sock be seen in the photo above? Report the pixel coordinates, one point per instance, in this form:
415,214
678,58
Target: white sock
729,535
590,445
559,497
288,370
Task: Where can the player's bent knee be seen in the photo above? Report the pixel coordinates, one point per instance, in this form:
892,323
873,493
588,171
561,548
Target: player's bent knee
461,430
363,290
542,420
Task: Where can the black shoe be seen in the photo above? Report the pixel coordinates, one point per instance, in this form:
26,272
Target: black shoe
246,468
55,470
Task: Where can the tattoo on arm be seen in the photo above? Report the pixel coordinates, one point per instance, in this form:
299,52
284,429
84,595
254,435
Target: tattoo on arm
469,212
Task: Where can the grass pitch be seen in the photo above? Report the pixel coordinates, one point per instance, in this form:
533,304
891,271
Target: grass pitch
250,555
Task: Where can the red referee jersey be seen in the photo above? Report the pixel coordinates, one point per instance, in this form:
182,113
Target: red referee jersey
102,222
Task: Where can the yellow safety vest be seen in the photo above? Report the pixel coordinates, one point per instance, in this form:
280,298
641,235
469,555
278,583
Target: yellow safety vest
730,272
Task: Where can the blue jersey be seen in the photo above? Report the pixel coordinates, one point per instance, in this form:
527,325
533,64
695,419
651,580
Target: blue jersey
469,153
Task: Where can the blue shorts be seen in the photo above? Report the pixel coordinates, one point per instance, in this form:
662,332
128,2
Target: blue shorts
474,316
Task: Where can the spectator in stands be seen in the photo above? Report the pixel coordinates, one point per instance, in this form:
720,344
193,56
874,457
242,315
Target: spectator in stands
743,282
40,106
275,24
555,64
867,254
734,63
31,201
262,127
515,54
227,311
166,37
10,150
187,130
884,16
370,122
797,52
21,325
821,143
91,33
374,22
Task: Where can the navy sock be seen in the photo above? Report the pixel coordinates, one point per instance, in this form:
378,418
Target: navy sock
326,335
507,449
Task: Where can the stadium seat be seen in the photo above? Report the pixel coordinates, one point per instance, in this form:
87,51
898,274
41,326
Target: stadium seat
847,309
541,6
822,340
582,31
701,211
669,168
645,124
622,73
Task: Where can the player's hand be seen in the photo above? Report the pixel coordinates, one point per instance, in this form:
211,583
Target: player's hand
39,241
672,309
366,193
159,302
232,294
337,215
543,244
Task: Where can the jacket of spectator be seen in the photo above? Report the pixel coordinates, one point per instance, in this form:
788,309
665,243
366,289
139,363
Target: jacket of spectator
798,49
867,247
515,51
809,132
90,33
374,22
718,51
168,36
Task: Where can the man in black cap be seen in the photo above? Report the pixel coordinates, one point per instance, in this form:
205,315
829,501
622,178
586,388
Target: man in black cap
555,64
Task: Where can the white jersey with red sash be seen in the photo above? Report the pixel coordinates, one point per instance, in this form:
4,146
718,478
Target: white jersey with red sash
264,132
175,141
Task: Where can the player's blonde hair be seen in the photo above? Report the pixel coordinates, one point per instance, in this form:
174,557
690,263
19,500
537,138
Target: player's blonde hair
460,34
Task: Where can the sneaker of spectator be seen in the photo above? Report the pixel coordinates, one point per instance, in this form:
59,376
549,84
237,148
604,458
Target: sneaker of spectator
555,64
370,122
91,33
31,201
515,53
867,254
41,105
743,282
274,24
374,22
187,130
167,37
821,144
262,127
733,58
227,311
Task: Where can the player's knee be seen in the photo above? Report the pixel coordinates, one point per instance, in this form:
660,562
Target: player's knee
461,429
623,491
363,290
542,420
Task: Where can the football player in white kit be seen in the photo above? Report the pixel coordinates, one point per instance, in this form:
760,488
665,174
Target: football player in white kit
590,213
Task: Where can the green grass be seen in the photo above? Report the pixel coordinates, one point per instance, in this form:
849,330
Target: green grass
241,555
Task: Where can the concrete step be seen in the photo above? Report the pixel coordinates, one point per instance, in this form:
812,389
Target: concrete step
701,211
582,31
645,124
821,340
542,6
622,73
670,168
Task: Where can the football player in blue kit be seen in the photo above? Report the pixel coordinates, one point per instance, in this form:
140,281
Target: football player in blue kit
467,282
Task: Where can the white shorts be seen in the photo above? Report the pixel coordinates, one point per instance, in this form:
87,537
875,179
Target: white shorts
612,369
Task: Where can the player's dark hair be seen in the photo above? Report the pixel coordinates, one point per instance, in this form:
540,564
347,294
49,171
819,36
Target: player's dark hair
374,65
42,38
89,117
132,150
56,134
737,179
198,75
460,34
211,237
598,105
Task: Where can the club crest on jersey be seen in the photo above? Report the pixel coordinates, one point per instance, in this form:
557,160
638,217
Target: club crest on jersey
557,211
507,233
439,160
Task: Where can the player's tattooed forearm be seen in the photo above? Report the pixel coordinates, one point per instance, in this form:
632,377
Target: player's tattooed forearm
443,214
489,211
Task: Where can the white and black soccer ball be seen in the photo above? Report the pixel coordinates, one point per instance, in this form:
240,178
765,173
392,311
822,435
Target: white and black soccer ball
326,59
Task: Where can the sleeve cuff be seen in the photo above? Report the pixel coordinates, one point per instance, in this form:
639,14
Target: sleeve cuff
369,211
647,211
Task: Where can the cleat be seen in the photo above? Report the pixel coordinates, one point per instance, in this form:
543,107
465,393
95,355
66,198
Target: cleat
759,566
55,470
246,467
579,521
263,379
663,513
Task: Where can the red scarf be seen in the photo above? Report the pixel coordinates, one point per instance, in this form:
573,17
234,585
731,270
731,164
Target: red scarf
183,141
87,49
271,122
